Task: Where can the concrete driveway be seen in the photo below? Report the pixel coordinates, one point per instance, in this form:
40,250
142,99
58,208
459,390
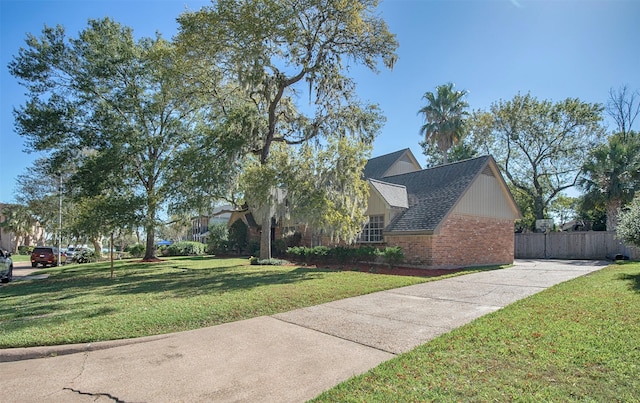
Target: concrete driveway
24,271
288,357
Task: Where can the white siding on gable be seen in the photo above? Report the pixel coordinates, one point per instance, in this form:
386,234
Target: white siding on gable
376,204
402,166
486,198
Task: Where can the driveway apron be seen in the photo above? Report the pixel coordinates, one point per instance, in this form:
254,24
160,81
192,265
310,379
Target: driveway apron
288,357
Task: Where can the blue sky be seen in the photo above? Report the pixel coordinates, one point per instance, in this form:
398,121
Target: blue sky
492,48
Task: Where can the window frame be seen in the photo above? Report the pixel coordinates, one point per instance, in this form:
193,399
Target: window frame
372,232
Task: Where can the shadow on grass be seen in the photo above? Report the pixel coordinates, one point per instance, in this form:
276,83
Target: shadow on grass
190,282
633,279
173,279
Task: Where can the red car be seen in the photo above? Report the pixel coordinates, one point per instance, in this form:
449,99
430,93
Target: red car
46,256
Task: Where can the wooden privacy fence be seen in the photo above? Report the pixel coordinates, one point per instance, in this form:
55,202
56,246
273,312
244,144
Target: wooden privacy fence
571,245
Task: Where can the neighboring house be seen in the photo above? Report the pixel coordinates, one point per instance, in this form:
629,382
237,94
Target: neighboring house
8,240
455,214
200,225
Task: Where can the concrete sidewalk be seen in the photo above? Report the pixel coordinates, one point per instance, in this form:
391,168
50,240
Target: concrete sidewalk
289,357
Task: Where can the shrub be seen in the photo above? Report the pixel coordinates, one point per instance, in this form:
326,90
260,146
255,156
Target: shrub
392,255
85,256
254,247
255,261
238,236
136,250
279,247
218,241
25,250
186,248
628,229
365,253
340,254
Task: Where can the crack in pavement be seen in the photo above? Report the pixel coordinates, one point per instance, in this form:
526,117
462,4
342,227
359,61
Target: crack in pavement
107,395
82,367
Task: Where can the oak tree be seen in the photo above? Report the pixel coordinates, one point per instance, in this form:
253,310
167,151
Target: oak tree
540,146
112,98
257,60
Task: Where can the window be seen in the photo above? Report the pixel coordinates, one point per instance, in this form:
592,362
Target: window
372,232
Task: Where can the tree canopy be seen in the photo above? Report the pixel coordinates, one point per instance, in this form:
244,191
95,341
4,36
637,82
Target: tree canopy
628,229
539,145
444,117
611,173
255,60
112,102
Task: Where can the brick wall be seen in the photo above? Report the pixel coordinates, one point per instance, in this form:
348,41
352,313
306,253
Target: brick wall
417,249
462,241
472,241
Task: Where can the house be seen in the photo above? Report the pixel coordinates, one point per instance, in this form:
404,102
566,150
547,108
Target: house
458,214
200,225
455,214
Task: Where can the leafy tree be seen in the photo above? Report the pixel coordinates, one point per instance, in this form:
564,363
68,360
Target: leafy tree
218,240
326,190
628,229
612,174
539,145
238,233
591,210
42,190
444,117
564,208
111,100
177,228
459,152
105,215
524,202
255,59
19,221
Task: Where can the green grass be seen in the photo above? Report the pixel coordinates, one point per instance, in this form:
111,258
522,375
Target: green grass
80,303
21,258
578,341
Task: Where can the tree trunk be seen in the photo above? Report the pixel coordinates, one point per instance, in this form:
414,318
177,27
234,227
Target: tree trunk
538,207
265,235
97,246
613,206
17,244
150,227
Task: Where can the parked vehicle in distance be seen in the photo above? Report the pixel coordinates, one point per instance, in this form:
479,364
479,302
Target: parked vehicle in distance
6,267
73,252
46,256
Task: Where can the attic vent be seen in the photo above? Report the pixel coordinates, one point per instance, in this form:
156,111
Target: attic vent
487,171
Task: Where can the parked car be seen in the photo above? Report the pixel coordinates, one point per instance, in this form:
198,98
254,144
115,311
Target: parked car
46,256
73,252
6,267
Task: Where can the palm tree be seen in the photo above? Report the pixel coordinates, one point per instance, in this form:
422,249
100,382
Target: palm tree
611,174
18,221
444,117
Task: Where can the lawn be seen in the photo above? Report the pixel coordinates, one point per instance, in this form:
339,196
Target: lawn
80,303
21,258
577,341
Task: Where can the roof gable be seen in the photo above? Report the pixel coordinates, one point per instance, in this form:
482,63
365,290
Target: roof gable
394,195
436,192
397,162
